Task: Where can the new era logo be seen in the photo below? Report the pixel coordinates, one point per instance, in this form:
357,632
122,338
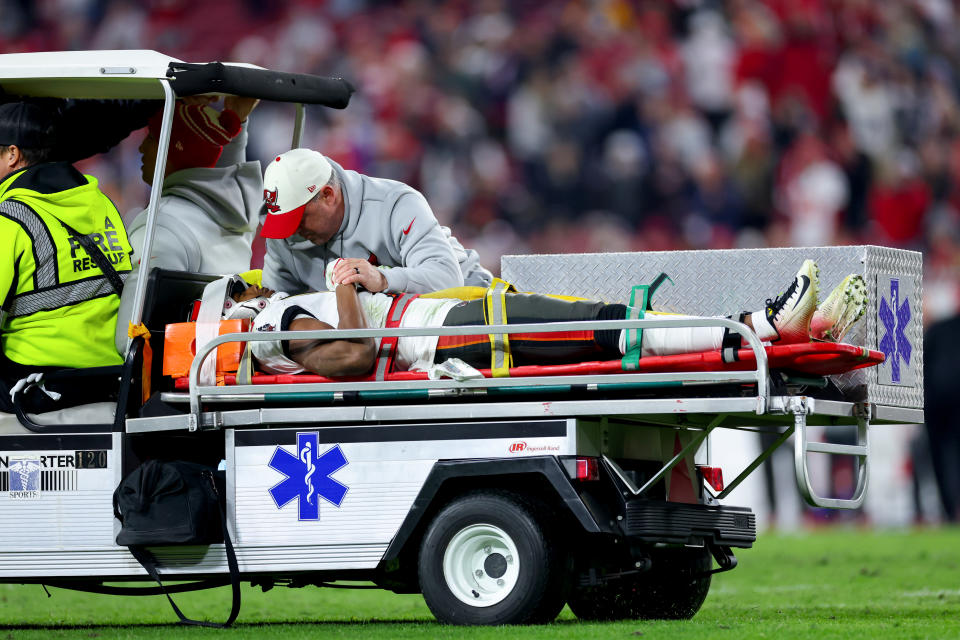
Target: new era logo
312,188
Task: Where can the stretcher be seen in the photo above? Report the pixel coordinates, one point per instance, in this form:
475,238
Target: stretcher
814,358
500,499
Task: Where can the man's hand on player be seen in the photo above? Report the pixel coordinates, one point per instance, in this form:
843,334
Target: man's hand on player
359,271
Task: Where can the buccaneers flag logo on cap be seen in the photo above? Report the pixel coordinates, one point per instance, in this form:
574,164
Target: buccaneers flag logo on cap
270,200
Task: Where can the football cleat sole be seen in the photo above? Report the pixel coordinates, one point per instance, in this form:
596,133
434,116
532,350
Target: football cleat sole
846,304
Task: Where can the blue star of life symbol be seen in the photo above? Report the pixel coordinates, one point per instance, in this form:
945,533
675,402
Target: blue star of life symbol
308,476
895,316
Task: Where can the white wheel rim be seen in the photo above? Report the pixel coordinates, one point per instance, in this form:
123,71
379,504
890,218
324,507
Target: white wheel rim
481,565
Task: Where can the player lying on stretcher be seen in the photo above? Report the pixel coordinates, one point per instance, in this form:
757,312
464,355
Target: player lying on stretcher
792,317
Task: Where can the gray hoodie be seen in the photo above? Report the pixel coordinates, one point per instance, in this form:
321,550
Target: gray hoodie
205,223
388,223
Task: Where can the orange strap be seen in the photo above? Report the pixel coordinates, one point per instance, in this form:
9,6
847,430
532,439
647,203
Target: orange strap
136,331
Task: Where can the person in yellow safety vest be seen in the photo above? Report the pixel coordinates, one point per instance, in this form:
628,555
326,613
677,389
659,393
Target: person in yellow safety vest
58,307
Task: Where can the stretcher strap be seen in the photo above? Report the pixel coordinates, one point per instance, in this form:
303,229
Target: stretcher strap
245,366
136,331
730,347
495,312
636,311
659,280
388,345
208,325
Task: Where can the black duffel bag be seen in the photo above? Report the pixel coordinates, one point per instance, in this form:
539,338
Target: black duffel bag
165,503
162,503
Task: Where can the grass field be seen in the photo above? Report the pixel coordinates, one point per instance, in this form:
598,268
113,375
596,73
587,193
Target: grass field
827,584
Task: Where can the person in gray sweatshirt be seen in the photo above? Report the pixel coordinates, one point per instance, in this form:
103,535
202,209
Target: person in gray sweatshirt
211,197
385,232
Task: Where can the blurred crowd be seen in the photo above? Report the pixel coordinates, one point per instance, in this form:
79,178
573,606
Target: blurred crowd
604,125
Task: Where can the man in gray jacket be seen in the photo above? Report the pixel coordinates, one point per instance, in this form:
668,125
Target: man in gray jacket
210,201
386,233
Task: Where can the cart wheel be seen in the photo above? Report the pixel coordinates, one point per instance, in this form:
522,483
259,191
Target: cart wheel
673,589
489,558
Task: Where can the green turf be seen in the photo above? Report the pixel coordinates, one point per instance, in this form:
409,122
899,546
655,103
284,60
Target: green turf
829,584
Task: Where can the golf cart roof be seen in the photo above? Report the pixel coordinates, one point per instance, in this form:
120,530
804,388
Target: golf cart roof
139,73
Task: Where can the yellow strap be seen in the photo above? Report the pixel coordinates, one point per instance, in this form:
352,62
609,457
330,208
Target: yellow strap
137,330
457,293
475,293
495,312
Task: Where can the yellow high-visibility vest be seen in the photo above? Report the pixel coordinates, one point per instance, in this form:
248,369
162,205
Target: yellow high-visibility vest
58,307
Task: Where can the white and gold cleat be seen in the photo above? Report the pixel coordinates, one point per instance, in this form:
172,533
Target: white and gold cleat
791,312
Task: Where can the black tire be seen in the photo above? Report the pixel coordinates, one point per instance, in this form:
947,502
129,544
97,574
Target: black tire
474,534
673,589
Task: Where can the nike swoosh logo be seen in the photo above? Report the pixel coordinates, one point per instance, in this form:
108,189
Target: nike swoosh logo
806,285
410,226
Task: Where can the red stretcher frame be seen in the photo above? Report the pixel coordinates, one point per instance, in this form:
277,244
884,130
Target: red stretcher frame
814,358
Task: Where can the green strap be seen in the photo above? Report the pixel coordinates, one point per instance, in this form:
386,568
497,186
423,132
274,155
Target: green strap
659,280
636,311
640,302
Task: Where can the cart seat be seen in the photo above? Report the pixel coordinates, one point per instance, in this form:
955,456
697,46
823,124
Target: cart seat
93,413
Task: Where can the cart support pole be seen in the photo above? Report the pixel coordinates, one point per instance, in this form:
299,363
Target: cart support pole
674,461
298,127
163,144
756,463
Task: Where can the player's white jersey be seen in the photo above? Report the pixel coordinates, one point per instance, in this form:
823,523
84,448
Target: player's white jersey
414,352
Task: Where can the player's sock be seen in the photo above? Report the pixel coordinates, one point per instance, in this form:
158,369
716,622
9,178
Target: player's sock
762,325
675,340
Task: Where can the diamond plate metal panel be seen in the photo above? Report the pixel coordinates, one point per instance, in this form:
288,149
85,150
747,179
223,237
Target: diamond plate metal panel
907,267
730,281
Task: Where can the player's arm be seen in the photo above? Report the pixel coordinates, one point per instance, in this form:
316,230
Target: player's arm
343,357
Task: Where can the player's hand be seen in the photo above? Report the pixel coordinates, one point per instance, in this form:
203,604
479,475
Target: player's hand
240,106
358,271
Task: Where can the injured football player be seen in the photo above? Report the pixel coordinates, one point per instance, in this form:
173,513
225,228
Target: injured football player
792,317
